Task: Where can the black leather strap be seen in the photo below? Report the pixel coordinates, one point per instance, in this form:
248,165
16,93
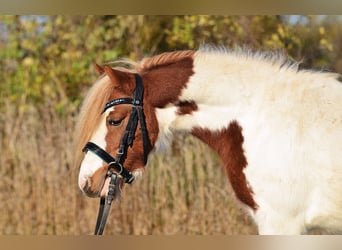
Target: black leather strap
120,101
144,133
105,204
138,95
100,216
99,152
110,160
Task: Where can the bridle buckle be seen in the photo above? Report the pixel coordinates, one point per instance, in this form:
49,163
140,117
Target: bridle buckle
117,164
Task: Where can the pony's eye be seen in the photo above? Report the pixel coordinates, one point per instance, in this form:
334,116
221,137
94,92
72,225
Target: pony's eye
115,123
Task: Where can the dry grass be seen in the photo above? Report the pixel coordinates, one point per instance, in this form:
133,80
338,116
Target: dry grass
184,191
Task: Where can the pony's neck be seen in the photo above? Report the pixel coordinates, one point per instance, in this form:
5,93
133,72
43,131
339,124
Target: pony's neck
187,99
206,90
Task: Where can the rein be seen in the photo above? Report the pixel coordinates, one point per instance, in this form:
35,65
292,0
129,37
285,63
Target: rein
121,173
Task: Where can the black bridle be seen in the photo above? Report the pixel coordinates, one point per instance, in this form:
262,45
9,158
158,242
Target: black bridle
116,164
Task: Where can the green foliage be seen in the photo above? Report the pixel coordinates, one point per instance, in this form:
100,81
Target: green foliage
50,58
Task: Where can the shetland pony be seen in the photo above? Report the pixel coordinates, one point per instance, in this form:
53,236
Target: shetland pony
277,129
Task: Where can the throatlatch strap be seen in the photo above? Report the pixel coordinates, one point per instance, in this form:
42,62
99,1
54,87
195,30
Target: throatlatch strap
146,141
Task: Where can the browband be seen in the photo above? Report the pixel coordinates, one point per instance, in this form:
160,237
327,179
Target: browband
136,100
121,101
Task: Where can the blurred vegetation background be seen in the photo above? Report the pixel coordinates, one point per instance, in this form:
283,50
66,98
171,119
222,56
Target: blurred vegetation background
46,65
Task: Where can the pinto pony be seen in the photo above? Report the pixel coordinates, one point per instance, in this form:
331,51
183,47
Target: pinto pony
277,129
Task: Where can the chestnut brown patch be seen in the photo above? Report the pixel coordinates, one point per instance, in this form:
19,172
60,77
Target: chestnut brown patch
164,83
97,180
228,144
186,107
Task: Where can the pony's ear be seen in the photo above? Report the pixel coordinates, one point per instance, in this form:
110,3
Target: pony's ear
99,69
117,77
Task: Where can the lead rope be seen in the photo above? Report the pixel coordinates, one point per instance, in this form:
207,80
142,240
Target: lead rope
105,204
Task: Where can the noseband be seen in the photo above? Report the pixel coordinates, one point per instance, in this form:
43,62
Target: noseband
117,163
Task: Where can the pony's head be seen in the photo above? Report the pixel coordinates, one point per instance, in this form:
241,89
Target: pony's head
107,111
104,123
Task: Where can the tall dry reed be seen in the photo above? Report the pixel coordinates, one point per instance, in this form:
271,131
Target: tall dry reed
184,191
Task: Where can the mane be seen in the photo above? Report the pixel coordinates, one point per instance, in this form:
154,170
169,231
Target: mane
90,114
149,63
278,58
164,59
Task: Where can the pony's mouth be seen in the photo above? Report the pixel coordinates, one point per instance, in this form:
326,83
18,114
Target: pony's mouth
105,187
88,186
104,190
87,189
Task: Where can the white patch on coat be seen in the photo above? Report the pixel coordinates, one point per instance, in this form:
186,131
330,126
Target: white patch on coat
91,161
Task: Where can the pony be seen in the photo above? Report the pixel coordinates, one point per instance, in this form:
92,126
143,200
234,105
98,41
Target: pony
276,128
